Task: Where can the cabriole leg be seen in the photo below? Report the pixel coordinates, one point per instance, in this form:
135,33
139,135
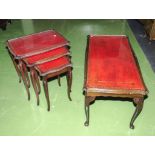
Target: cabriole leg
26,75
87,115
37,81
46,92
139,107
59,83
32,74
24,79
88,100
69,83
17,68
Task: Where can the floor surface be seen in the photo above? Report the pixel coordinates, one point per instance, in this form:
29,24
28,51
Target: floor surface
147,45
18,116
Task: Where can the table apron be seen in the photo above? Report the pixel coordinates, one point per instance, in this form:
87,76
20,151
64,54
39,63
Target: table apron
113,95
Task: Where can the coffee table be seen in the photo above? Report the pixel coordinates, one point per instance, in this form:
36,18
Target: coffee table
112,70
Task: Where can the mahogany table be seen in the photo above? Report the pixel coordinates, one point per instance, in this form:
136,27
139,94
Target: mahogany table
30,45
112,70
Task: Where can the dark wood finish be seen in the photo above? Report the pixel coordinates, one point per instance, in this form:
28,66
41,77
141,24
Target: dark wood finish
24,77
15,63
88,100
59,83
26,74
67,70
139,106
92,93
35,83
22,72
69,83
45,85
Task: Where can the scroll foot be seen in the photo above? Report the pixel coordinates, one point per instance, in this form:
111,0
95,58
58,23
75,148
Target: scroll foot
86,123
132,126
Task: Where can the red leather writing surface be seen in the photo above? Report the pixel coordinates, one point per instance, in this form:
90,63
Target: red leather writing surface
36,43
111,64
51,54
53,65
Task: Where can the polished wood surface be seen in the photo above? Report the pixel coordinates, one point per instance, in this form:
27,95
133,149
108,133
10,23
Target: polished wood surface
111,65
53,66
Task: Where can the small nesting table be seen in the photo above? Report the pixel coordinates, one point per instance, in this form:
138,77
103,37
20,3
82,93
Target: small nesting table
54,68
111,69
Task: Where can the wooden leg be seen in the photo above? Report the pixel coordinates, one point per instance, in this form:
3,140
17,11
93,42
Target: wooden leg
37,81
26,75
88,100
87,115
24,79
59,83
69,83
70,75
139,107
17,68
32,74
46,92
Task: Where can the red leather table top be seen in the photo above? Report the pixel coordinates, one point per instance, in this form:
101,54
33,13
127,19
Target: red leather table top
47,56
53,66
36,43
111,65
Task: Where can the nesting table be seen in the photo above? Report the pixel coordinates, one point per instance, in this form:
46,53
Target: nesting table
112,70
31,45
45,53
